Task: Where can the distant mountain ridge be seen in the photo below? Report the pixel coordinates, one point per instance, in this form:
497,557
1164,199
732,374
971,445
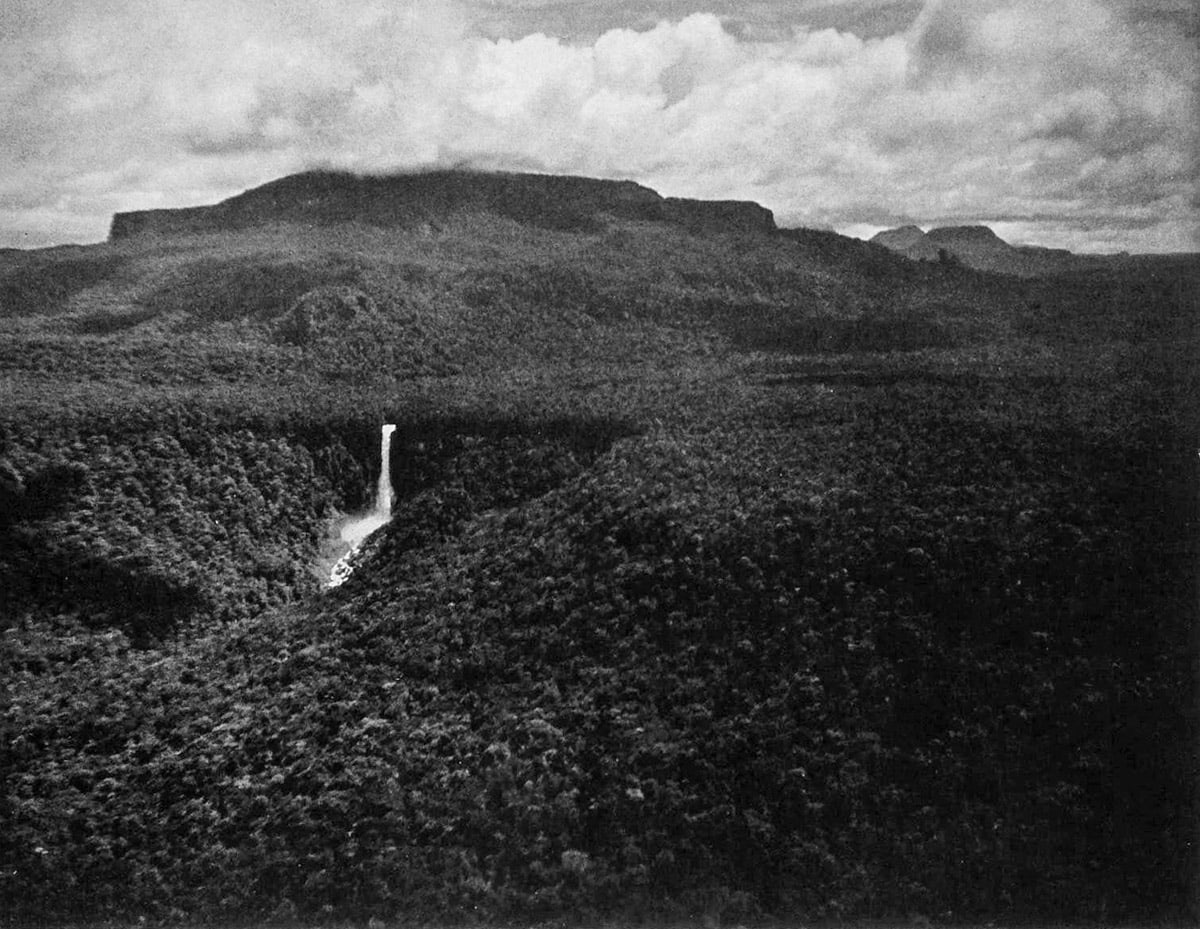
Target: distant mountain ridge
316,198
910,241
980,248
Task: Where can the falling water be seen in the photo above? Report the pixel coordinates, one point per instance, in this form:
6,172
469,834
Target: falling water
355,531
383,494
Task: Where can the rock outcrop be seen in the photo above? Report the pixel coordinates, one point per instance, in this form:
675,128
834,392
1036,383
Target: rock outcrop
324,312
318,198
909,241
980,248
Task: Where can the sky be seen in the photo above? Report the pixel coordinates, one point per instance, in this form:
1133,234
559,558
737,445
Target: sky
1068,124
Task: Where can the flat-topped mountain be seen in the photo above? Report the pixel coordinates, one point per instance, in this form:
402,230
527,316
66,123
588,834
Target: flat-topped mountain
909,241
316,198
963,235
980,248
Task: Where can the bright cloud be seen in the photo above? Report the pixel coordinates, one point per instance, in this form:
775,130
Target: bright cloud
1071,123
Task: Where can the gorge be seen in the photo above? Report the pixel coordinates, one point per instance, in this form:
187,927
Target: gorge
355,530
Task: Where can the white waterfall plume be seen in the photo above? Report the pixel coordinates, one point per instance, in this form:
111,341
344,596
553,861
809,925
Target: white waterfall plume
383,491
355,531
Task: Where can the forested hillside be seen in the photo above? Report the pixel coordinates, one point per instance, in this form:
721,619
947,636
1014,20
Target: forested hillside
734,575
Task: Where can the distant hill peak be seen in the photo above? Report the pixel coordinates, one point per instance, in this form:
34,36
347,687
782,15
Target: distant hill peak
978,234
976,247
321,197
901,235
910,241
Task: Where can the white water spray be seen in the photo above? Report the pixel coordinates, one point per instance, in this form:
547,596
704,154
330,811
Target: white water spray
355,531
383,493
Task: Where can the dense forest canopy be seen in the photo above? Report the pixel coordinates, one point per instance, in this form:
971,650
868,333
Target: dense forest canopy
737,574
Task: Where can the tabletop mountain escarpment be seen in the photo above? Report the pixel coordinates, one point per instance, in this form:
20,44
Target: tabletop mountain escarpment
320,198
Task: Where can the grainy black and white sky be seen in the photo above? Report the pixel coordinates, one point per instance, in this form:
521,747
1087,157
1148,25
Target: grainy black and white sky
1070,123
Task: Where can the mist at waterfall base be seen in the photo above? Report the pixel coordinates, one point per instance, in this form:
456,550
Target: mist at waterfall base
354,531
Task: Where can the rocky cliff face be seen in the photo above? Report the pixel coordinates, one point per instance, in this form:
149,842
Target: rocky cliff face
325,197
718,215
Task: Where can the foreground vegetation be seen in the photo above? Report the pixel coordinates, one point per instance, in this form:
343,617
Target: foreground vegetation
769,576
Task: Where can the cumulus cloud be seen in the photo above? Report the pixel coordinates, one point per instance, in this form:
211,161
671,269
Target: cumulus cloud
1069,123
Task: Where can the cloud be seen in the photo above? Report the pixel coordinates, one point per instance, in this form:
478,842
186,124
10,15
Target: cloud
584,20
1074,119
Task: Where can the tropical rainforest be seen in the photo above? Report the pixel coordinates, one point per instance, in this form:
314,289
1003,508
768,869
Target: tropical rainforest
735,573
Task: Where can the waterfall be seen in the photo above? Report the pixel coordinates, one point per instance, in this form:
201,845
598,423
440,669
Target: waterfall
355,531
383,493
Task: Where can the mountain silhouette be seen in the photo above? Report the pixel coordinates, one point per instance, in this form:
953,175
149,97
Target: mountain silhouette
978,247
428,199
